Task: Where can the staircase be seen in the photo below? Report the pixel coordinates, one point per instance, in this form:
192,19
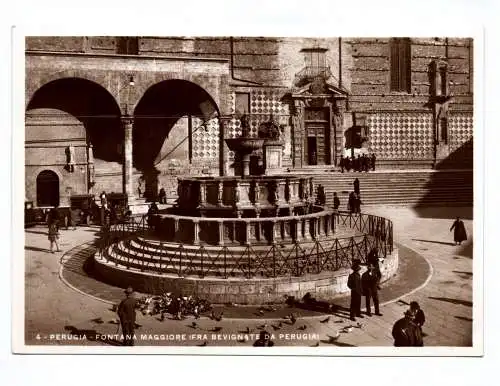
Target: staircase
410,188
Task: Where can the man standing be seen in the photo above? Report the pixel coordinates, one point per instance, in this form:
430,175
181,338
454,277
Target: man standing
354,284
373,160
336,201
370,281
126,313
356,186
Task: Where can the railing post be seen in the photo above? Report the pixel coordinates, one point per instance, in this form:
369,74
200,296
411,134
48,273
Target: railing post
225,262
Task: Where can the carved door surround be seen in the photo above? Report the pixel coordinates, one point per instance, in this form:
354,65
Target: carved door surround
317,95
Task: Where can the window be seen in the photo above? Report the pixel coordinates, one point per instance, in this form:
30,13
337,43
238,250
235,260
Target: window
127,45
242,103
400,64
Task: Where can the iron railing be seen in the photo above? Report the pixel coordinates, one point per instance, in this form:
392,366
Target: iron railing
121,244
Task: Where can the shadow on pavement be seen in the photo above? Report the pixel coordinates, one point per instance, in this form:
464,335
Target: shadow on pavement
91,335
36,249
454,301
465,275
434,242
36,232
466,250
334,342
463,318
464,212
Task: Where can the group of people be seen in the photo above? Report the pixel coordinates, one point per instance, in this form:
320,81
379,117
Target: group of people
361,163
407,331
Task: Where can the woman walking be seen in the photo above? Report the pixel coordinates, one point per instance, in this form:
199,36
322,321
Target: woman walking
460,234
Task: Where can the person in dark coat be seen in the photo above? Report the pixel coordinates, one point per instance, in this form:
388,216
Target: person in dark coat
354,284
126,313
321,195
357,203
336,201
406,333
264,340
460,234
418,315
342,164
370,281
364,163
373,160
351,202
356,186
162,196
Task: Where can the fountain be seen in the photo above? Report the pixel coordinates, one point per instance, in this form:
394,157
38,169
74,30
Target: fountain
247,239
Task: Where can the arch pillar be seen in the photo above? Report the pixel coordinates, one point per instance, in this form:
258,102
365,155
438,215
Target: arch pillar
128,188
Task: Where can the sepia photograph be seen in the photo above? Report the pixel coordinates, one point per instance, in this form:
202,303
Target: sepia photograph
227,193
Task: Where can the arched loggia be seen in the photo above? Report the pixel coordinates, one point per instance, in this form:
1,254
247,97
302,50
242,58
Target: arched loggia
88,102
170,123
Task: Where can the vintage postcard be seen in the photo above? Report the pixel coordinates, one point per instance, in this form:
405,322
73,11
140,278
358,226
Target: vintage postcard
248,195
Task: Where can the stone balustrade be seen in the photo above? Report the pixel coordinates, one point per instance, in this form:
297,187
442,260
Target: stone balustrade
244,231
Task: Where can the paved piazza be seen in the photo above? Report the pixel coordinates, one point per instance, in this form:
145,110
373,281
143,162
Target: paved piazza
55,310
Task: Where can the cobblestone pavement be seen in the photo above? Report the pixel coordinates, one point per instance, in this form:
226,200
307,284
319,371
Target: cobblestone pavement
54,311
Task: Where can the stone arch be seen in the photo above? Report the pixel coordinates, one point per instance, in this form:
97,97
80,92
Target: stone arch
48,187
170,119
90,103
205,83
37,83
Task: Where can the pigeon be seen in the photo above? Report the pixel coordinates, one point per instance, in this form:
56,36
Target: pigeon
261,312
293,319
203,344
262,326
275,328
334,338
325,320
280,324
247,331
315,345
97,320
347,329
218,318
217,329
339,321
359,325
194,325
114,321
302,327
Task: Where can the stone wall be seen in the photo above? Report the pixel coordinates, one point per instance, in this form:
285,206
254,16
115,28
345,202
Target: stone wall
48,134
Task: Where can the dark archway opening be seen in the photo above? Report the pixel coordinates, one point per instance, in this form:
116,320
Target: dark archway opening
47,189
92,105
167,104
